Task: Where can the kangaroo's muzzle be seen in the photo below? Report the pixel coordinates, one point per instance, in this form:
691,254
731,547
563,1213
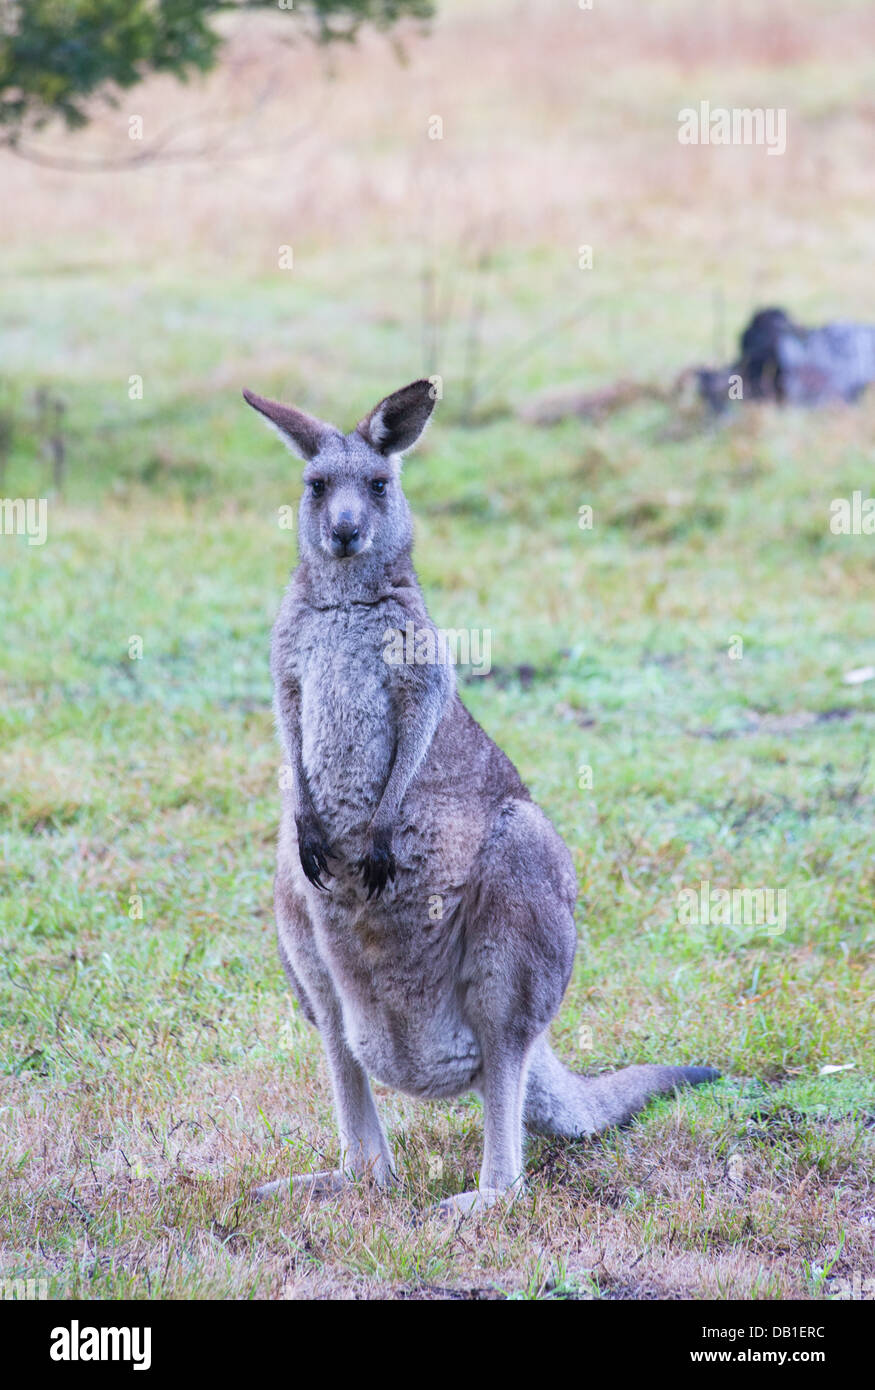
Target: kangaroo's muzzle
345,539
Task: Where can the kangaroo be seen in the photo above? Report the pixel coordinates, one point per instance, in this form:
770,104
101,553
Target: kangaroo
424,903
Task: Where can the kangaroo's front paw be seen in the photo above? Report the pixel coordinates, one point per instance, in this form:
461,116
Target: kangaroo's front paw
377,864
313,849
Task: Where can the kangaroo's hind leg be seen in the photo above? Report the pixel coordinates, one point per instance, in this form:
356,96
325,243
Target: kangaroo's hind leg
503,1089
364,1152
519,948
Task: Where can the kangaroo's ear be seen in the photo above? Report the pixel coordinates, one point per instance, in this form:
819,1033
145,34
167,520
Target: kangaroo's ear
299,432
398,421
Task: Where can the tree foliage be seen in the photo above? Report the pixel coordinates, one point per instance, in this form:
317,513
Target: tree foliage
57,55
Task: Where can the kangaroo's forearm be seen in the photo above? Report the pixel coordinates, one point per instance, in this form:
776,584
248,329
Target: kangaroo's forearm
289,719
303,802
417,724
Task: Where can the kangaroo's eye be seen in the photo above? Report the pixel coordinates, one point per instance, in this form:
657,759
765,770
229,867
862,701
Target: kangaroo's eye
378,487
318,486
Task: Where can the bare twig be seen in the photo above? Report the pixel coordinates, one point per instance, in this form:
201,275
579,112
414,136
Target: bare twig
157,151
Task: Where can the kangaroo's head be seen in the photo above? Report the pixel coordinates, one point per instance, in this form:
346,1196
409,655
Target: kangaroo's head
353,513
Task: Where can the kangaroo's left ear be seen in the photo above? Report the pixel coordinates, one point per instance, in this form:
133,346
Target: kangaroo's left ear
398,421
299,432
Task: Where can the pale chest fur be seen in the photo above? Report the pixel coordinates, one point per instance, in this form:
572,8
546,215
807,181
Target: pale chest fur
347,714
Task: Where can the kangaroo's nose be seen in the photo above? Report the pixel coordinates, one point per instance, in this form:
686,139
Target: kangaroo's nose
345,531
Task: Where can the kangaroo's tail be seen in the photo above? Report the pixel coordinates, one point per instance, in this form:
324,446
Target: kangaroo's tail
558,1101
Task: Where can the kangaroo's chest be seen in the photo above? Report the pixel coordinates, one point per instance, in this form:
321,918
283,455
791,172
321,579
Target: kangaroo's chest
347,718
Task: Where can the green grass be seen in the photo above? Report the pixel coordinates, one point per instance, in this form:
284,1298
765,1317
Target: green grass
153,1066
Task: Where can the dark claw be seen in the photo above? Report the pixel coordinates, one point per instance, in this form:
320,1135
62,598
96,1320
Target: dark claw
313,851
377,866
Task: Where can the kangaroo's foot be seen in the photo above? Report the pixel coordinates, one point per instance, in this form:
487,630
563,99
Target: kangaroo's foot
320,1184
310,1184
472,1203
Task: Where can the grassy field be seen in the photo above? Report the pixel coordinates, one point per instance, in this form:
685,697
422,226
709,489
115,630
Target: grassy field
153,1064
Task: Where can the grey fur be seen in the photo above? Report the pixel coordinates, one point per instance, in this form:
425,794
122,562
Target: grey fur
424,903
781,361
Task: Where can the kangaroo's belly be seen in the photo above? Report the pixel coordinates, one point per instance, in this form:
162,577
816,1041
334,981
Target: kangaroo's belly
395,967
429,1058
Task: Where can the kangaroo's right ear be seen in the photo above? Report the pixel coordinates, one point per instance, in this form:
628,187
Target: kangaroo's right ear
397,422
301,433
